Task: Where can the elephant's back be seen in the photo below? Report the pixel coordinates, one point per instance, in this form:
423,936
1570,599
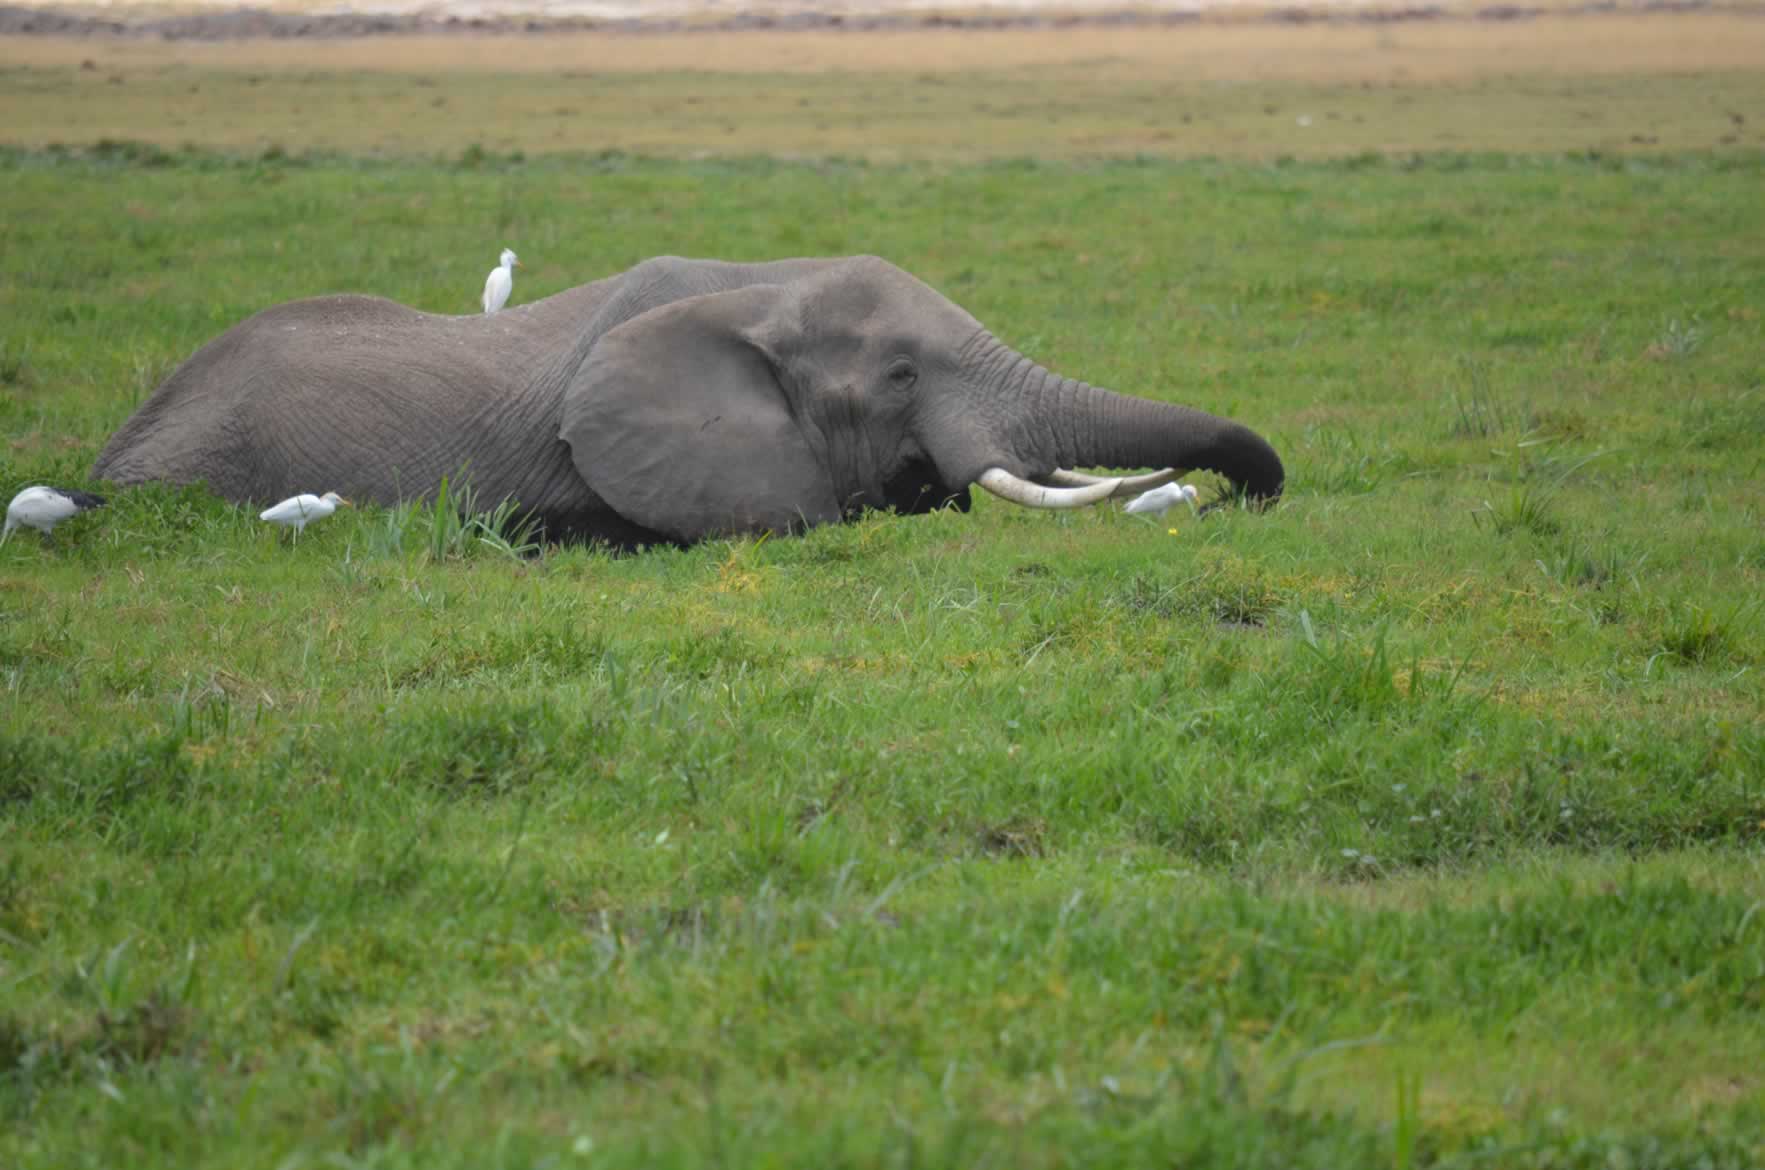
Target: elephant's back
176,433
274,393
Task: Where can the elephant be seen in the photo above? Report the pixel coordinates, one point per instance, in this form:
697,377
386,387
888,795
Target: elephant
680,400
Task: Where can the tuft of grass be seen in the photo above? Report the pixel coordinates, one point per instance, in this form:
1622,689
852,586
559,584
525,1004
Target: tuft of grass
1699,635
1713,421
1540,476
505,529
450,527
1341,461
450,523
1344,679
1578,561
1478,413
1024,837
1677,341
1524,508
15,365
1226,590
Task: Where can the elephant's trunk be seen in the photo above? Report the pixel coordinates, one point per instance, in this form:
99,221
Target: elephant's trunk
1052,422
1106,429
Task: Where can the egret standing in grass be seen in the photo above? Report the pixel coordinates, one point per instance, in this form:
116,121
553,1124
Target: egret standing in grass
501,282
1160,500
297,512
43,508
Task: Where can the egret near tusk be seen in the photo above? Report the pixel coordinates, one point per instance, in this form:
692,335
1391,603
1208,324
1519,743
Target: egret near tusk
42,508
297,512
1160,500
1033,495
1130,485
501,282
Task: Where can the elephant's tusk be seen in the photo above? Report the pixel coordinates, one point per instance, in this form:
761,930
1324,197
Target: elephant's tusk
1033,495
1131,485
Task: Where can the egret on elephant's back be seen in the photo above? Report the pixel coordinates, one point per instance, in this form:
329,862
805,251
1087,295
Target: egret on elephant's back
500,283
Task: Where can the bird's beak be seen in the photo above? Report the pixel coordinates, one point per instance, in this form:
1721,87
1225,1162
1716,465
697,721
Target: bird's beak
344,502
518,264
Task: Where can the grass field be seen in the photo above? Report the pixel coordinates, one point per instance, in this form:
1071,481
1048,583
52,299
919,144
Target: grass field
1416,822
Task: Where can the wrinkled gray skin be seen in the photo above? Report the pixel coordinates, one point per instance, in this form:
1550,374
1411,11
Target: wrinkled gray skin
682,399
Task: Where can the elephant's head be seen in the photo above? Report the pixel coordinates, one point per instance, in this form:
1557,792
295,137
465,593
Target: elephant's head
852,384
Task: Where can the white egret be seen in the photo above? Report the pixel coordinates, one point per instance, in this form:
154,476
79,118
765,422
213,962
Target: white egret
297,512
1160,500
43,508
501,282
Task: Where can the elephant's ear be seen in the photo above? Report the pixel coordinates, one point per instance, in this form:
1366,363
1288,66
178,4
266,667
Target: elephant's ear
678,420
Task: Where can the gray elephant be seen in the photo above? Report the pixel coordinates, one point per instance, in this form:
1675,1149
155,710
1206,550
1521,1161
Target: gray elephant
680,400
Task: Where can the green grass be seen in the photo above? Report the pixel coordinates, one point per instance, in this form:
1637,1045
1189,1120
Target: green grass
1417,822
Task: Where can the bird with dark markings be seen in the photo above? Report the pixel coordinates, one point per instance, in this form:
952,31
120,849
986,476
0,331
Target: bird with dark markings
42,507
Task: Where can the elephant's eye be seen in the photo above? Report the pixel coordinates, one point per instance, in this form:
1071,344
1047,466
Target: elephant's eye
902,372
